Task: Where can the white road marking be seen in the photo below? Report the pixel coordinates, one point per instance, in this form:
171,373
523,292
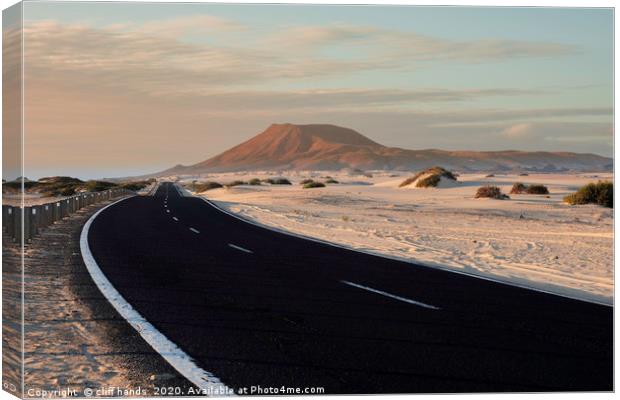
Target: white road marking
174,355
240,248
168,211
175,218
194,230
393,296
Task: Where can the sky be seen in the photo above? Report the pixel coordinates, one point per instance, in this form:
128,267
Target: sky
117,89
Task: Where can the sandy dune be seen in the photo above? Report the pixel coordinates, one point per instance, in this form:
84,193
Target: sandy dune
529,240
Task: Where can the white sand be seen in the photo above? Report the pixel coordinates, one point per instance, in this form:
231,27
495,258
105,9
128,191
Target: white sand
529,240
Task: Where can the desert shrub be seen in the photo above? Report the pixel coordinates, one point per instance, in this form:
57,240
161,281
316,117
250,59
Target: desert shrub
235,183
281,181
69,191
331,180
135,185
17,184
14,185
254,182
98,186
429,181
490,176
204,186
518,188
306,181
314,185
524,174
601,193
408,181
435,174
491,192
537,189
59,179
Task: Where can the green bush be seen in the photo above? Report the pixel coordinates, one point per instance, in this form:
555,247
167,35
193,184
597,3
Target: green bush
204,186
254,182
135,185
98,186
518,188
491,192
435,175
235,183
331,180
314,185
601,193
279,181
537,189
306,181
429,181
70,191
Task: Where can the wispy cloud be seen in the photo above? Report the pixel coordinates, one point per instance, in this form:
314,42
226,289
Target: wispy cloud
152,59
517,130
413,46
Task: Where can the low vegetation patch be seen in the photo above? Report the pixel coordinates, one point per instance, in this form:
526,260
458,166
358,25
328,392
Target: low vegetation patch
490,192
235,183
99,186
311,185
306,181
520,188
204,186
254,182
277,181
537,189
331,180
137,185
432,180
601,193
67,186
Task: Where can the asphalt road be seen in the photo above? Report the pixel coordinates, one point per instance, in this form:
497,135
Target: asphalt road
259,308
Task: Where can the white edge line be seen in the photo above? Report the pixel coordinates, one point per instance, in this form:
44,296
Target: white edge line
175,218
240,248
413,262
393,296
194,230
176,357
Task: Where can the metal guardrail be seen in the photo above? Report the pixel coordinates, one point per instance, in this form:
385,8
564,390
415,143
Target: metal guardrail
42,215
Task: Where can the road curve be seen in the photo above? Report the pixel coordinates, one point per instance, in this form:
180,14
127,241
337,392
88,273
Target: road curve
259,308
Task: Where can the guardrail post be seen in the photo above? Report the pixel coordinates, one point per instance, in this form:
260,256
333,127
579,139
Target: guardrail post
8,220
26,221
17,226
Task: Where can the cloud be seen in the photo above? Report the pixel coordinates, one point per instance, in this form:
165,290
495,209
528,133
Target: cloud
338,99
413,46
517,130
153,59
202,24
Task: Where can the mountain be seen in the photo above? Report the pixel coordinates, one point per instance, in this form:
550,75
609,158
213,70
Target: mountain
330,147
